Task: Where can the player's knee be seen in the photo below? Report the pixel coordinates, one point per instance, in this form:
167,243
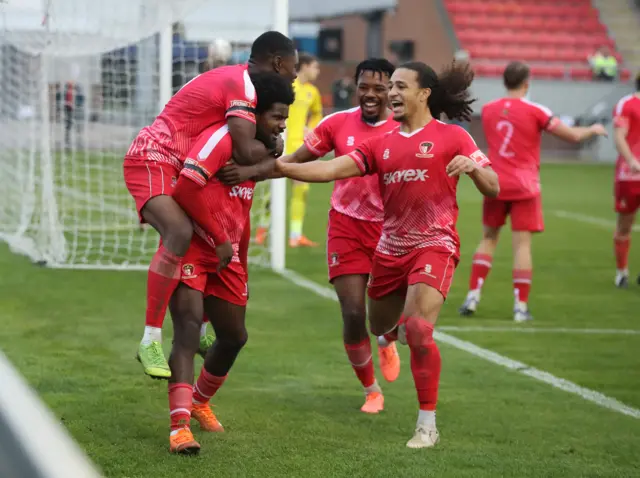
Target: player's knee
419,333
234,342
354,318
178,237
491,234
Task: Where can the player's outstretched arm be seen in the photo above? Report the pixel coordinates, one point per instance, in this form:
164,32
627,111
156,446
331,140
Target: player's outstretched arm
247,150
484,178
578,134
341,167
234,174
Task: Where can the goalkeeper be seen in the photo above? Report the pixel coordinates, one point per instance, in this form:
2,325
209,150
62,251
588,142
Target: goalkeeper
304,115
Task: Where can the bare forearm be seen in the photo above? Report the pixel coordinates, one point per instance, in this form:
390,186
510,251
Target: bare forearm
249,152
266,170
623,148
486,181
314,172
582,133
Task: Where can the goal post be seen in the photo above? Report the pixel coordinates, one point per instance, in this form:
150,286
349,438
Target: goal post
79,80
278,233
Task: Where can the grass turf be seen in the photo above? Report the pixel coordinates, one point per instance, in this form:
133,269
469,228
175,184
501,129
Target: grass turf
290,406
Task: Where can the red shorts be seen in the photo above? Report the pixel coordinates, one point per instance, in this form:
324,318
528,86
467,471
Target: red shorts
627,196
199,271
526,214
351,244
393,274
148,179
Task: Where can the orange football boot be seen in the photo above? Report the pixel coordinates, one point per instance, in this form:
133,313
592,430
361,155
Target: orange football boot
183,443
374,403
261,235
206,418
389,361
302,241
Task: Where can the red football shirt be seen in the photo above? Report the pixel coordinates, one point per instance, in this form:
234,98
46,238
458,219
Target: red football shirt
513,128
355,197
206,100
627,114
420,207
229,206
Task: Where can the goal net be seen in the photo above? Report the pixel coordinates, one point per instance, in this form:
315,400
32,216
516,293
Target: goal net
78,79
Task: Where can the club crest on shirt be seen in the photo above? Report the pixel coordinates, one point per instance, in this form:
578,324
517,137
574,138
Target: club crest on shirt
427,271
188,271
334,259
424,150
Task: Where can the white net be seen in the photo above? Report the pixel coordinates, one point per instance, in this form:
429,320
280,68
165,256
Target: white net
78,79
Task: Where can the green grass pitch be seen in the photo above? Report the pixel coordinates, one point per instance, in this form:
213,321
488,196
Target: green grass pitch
290,405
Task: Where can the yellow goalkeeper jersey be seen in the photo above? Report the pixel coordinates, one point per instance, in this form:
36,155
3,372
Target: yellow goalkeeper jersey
305,112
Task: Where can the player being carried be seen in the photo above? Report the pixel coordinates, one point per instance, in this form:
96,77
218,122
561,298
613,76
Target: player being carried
355,219
156,156
417,165
222,215
513,127
626,122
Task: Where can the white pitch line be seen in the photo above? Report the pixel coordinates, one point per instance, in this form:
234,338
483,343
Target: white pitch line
594,221
536,330
522,368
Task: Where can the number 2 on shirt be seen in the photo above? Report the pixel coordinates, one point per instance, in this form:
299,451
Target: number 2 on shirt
505,127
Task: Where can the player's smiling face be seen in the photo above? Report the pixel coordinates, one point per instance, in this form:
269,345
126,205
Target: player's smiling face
405,94
372,95
271,124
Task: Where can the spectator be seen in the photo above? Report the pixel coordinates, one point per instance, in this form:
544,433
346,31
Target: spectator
342,90
604,65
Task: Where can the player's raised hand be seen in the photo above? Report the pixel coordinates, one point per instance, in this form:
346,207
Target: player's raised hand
232,174
599,130
460,165
225,253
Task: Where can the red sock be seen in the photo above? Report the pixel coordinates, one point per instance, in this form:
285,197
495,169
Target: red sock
162,280
361,361
621,247
180,405
480,268
206,386
521,284
425,361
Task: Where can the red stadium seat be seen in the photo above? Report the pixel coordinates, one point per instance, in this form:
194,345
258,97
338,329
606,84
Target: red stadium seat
548,33
581,73
548,71
488,70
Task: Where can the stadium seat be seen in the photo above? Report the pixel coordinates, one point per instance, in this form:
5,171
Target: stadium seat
554,35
